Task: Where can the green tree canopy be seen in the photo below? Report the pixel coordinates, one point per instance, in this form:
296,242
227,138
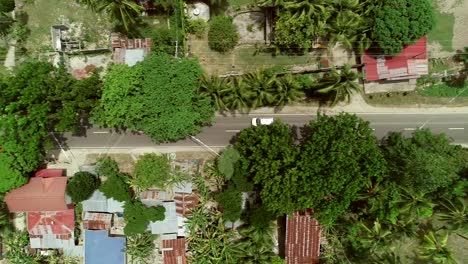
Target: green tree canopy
158,96
425,162
82,185
116,186
402,22
11,178
230,201
223,35
137,217
227,161
152,170
37,99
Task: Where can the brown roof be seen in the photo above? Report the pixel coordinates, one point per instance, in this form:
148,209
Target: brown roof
39,194
185,203
302,239
57,223
97,221
174,251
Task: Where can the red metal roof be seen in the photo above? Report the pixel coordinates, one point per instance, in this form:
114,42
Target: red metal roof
302,239
39,194
174,251
97,221
185,203
410,63
57,223
49,173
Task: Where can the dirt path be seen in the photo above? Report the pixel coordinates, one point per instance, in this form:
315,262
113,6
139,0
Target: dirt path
10,58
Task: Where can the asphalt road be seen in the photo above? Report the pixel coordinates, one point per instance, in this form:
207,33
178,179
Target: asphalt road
219,135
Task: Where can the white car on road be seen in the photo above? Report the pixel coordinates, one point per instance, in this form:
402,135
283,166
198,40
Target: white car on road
262,121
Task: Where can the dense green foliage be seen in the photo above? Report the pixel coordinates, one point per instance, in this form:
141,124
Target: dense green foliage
7,6
116,186
37,99
402,22
137,217
230,202
151,170
337,146
223,35
425,162
197,27
82,185
158,96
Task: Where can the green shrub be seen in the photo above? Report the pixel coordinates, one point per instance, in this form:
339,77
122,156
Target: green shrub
163,40
444,90
223,35
197,27
81,186
107,167
137,217
230,201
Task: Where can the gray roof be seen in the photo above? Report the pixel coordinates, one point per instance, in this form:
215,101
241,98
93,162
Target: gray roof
169,224
98,202
132,56
51,241
183,187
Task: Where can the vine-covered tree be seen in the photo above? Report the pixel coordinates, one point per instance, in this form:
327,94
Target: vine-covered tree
151,170
158,96
116,186
402,22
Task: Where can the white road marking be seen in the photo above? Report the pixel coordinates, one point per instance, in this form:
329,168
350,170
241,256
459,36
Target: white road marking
232,131
100,132
373,129
409,128
456,128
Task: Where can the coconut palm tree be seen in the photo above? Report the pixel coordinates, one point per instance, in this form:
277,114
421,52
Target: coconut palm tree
287,90
237,96
339,85
123,11
434,248
310,8
215,88
260,86
140,247
374,238
455,214
343,28
256,244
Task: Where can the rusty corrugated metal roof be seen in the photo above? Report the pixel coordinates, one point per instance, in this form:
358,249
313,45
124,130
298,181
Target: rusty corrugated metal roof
174,251
302,239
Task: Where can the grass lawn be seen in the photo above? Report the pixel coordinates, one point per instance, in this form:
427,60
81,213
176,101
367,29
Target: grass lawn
443,90
413,99
248,59
45,13
443,31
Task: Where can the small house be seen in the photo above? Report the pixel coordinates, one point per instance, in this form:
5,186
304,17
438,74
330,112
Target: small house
302,239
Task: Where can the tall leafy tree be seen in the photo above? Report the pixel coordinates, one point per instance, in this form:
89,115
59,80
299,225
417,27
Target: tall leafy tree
424,162
335,165
151,170
82,185
158,96
402,22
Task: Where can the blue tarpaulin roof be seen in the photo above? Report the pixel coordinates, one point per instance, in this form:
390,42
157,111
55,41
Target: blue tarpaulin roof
102,249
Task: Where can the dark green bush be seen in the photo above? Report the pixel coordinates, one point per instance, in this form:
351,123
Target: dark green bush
82,185
223,35
7,6
197,27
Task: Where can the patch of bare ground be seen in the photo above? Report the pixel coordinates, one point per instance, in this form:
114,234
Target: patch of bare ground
125,161
460,29
200,155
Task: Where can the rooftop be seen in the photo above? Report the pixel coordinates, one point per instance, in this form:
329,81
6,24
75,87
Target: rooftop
39,194
302,239
174,251
100,248
409,64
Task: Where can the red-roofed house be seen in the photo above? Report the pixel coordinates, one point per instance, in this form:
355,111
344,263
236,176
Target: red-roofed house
302,239
49,173
409,64
174,251
38,195
52,229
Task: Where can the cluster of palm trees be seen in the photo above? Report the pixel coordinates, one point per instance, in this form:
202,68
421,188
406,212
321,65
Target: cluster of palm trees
410,216
256,89
261,88
346,21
